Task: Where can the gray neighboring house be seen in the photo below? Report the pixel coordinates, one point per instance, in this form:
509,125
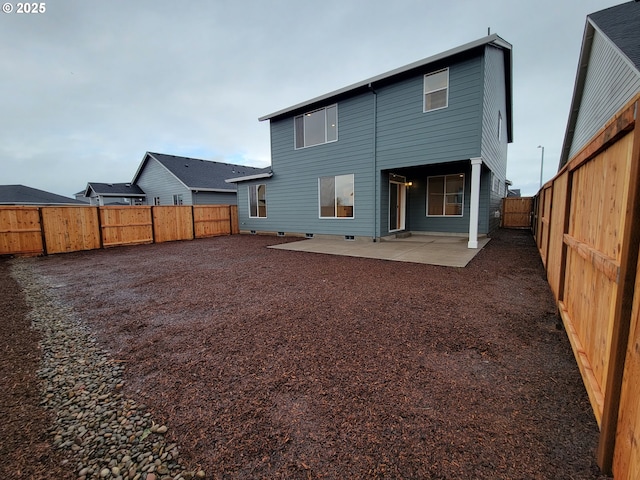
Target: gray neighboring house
175,180
22,195
114,194
608,74
419,149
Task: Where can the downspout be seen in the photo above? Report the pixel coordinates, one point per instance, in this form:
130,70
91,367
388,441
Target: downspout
375,162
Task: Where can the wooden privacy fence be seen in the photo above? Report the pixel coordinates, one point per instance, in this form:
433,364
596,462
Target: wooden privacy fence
516,212
587,228
48,230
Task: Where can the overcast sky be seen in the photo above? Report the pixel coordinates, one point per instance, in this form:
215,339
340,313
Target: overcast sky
88,86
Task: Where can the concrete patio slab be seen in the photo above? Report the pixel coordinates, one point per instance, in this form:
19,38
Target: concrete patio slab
427,249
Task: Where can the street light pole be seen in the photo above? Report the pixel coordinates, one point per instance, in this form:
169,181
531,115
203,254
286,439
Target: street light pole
541,164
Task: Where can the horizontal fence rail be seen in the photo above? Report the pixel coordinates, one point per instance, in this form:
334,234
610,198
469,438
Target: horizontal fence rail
50,230
587,229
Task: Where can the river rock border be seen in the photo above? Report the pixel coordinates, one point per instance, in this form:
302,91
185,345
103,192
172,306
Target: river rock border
105,434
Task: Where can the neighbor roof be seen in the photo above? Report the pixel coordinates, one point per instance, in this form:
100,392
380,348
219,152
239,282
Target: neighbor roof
621,25
197,174
22,195
114,189
398,72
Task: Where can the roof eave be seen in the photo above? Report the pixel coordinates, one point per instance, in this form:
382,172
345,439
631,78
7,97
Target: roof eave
494,38
247,178
578,90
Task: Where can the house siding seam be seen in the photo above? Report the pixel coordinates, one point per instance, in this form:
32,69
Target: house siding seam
156,181
609,84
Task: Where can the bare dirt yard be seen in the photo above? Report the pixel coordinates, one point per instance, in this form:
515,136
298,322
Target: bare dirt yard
275,364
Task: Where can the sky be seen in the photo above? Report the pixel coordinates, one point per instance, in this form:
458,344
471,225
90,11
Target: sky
88,86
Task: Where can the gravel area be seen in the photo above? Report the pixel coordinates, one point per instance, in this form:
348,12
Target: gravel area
221,358
108,435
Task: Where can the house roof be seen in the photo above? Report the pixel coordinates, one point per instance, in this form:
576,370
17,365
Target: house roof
408,69
114,190
22,195
621,25
197,174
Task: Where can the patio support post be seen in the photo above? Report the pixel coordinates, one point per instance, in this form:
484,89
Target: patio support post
475,202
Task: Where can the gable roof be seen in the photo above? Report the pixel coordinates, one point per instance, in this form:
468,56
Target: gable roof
114,190
408,69
22,195
621,25
198,174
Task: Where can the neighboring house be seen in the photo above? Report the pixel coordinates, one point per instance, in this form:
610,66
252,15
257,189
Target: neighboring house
21,195
608,74
114,194
419,149
174,180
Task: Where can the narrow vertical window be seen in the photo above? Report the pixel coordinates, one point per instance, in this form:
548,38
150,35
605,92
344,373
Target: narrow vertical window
258,201
436,90
499,126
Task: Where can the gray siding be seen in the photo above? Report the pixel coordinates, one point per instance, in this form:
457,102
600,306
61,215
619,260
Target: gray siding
609,84
409,137
494,146
292,192
403,140
214,198
157,181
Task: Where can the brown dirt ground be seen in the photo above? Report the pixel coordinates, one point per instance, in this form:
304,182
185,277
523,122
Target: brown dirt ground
275,364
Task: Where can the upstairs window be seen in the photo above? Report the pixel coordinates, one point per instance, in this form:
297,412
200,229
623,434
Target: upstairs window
258,201
436,90
317,127
177,199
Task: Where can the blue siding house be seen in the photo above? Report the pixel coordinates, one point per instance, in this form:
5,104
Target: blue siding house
420,149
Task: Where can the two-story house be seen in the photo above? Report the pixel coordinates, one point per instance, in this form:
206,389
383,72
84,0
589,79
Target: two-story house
420,149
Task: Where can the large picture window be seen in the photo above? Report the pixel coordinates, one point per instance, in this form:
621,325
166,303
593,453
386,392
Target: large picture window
445,195
317,127
336,196
436,90
258,201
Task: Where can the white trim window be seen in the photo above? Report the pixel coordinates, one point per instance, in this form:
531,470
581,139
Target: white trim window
258,201
445,195
156,200
177,199
336,196
316,127
436,90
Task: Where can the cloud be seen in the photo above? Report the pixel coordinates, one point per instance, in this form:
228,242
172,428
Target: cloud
89,87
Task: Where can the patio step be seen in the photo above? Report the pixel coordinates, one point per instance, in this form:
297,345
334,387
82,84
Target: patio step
403,234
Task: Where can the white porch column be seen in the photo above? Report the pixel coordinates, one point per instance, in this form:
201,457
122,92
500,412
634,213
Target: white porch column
476,164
